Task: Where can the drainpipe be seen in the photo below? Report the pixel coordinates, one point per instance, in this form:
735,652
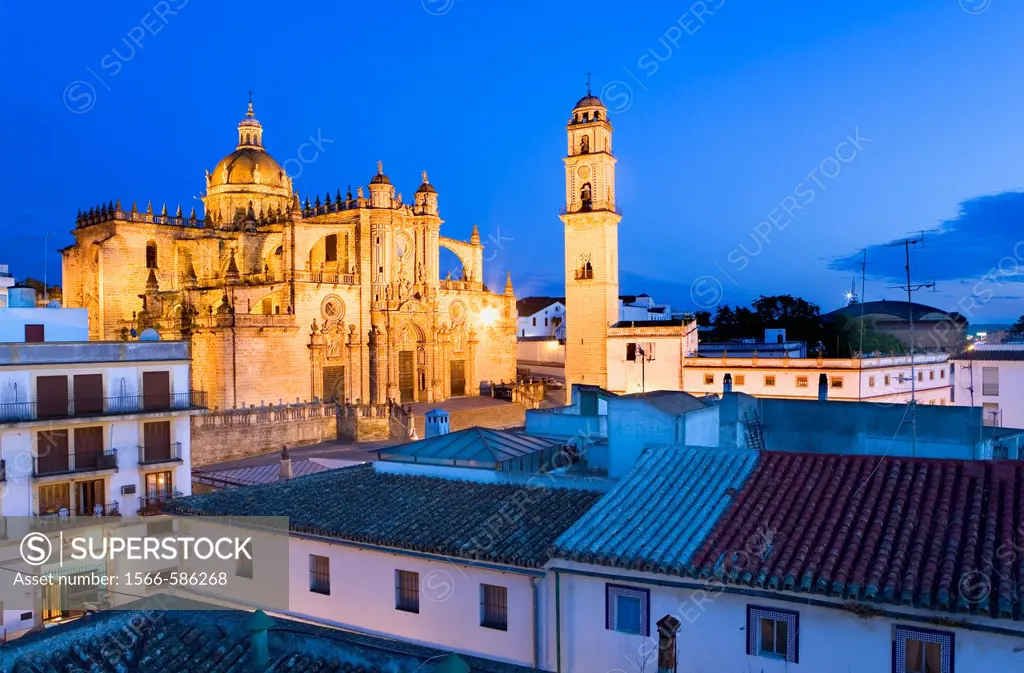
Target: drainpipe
558,622
535,585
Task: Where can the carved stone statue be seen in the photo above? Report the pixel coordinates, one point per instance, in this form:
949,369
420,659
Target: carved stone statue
359,191
425,177
209,178
256,173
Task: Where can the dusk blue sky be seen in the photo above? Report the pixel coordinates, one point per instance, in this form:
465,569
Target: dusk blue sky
717,128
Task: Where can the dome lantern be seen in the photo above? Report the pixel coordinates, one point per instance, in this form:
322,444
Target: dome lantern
250,131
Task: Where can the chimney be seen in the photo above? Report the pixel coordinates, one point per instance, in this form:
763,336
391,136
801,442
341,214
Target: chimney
822,388
727,384
286,465
259,649
668,627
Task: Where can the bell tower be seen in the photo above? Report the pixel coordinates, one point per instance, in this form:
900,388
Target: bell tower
591,244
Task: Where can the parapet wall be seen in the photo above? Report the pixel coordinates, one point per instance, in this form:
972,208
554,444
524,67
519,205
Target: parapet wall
241,433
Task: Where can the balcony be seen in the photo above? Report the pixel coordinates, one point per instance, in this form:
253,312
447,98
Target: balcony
60,462
154,504
104,406
57,517
160,453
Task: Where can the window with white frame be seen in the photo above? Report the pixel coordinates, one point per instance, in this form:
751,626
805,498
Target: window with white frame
627,609
922,651
773,633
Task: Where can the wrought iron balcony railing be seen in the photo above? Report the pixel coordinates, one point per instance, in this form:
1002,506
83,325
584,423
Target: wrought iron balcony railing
154,504
101,406
160,453
63,462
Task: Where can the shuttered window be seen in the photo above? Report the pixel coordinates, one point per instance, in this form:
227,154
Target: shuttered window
52,451
156,390
88,447
990,381
156,441
52,396
88,394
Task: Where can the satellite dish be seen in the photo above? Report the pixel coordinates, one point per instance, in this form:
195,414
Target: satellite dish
149,334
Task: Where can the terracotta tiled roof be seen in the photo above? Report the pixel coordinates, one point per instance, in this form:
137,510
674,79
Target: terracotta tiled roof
426,514
212,641
934,534
528,306
1004,355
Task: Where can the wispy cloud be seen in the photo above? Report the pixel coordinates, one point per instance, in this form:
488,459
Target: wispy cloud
984,240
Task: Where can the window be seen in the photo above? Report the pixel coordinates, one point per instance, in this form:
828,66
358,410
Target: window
151,255
156,391
53,452
709,379
627,609
320,574
35,334
922,651
88,394
407,591
52,396
534,322
801,381
739,379
931,375
243,566
331,248
837,382
920,376
773,633
871,381
769,381
52,499
493,607
631,352
158,485
990,380
545,322
942,373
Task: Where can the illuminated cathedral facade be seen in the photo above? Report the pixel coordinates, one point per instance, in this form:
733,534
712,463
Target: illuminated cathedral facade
341,297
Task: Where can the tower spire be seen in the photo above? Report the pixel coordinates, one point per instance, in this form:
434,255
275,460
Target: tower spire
249,112
588,83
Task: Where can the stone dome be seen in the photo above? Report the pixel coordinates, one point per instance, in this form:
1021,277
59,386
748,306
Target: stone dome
248,166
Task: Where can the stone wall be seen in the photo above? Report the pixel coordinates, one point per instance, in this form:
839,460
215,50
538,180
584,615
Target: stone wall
364,423
499,417
241,433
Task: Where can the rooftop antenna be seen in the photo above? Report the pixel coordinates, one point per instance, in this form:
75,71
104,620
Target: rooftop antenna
910,287
46,289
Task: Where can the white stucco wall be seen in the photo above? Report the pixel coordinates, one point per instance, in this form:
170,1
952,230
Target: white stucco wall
1011,389
713,634
525,324
60,324
662,373
632,424
363,598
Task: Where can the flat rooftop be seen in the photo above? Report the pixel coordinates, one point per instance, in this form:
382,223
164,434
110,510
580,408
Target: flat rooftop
74,352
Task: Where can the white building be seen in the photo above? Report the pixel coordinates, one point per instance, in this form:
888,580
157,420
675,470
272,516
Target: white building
879,379
716,555
541,317
442,542
992,378
22,321
6,281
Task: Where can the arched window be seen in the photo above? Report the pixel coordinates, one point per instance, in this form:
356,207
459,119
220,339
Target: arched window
597,115
151,255
585,144
585,196
248,139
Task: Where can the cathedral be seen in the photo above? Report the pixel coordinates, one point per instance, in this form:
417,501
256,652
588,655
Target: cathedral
340,298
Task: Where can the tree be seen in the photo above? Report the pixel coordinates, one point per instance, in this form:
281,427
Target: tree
54,290
1018,327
